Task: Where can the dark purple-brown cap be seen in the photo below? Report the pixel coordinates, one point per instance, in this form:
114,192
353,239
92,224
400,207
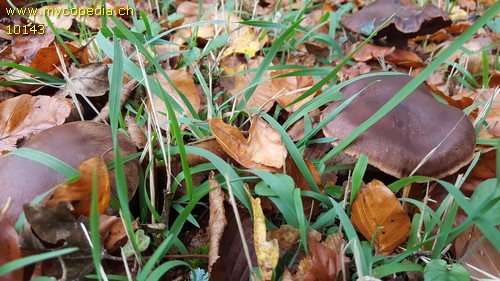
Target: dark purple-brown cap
409,21
400,140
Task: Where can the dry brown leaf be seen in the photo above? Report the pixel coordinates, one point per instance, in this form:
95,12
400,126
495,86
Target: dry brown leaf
48,228
27,46
47,59
89,80
79,193
377,211
287,236
113,232
245,41
324,262
263,150
185,83
10,249
391,55
25,115
135,132
236,83
485,169
217,222
265,145
288,89
267,252
475,252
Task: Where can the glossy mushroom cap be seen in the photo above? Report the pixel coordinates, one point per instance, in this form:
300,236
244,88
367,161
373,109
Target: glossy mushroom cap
398,142
409,21
23,179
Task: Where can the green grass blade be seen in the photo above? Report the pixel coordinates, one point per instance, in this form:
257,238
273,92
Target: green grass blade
47,160
17,264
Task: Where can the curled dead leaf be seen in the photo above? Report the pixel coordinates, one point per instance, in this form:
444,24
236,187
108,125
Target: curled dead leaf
267,252
217,222
113,232
79,193
263,150
377,212
10,249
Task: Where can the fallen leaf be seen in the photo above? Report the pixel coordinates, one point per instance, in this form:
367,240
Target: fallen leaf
263,150
232,263
50,228
217,222
377,212
23,116
89,80
289,88
47,59
476,252
113,232
27,46
10,249
324,262
79,193
287,236
185,83
247,43
485,169
136,133
265,145
267,251
236,82
389,54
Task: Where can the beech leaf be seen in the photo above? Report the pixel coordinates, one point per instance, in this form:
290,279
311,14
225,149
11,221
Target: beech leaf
79,193
377,212
25,115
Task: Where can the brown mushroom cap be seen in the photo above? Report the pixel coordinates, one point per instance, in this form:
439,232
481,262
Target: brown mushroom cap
400,140
409,21
23,179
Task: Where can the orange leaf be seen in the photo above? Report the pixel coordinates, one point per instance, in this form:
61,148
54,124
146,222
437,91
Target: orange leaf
10,249
376,211
79,193
47,59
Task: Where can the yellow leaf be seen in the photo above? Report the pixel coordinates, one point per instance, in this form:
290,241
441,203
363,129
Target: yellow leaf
246,43
267,252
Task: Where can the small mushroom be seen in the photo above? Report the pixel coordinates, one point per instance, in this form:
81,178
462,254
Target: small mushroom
400,140
23,179
409,20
